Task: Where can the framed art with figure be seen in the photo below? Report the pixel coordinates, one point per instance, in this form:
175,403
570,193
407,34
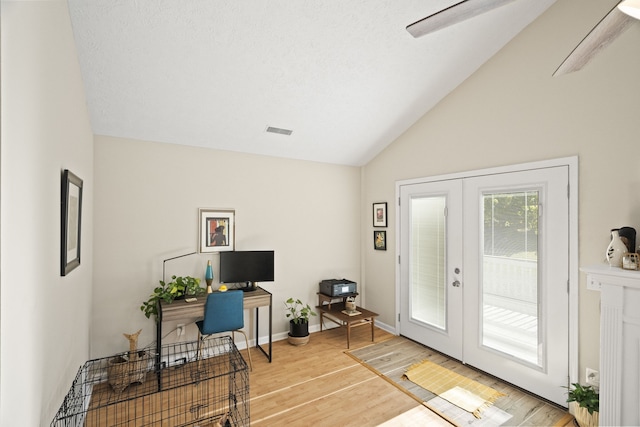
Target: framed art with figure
217,230
380,214
380,240
70,222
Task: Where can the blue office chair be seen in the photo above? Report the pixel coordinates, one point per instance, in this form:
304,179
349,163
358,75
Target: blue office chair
223,312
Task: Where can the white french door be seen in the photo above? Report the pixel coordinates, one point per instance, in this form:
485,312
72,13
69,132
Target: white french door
484,268
431,309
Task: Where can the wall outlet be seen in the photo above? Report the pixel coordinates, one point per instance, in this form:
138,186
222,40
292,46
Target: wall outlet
180,330
593,377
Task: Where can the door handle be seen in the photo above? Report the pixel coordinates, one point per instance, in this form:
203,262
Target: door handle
456,284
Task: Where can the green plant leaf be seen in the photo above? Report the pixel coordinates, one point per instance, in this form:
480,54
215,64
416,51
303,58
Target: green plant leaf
298,311
585,396
169,291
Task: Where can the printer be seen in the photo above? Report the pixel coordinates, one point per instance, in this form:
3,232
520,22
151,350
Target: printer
338,287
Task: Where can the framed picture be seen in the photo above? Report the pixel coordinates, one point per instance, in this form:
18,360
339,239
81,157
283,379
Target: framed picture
217,230
70,221
380,214
380,240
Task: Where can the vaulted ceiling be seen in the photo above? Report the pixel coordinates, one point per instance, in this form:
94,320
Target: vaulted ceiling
345,76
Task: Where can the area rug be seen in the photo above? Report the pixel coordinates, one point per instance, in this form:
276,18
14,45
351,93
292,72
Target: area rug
491,417
463,392
418,416
391,358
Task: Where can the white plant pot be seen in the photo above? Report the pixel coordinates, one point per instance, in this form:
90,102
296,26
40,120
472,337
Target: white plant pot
584,418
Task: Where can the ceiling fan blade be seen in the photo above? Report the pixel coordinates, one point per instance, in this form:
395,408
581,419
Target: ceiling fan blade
606,31
459,12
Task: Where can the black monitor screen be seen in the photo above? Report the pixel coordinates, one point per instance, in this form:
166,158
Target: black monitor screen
246,266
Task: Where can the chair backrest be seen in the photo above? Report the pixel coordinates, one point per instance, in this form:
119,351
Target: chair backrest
223,311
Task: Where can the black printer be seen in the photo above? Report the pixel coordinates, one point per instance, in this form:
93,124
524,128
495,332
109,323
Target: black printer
338,287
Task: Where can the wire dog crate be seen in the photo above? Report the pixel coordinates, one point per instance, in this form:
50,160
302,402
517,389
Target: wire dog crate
189,384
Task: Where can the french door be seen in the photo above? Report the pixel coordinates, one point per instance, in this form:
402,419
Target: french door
431,310
484,268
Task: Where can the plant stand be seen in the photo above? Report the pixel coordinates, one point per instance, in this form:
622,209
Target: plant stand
337,314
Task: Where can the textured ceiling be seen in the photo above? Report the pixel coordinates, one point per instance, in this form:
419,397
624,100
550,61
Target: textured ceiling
345,76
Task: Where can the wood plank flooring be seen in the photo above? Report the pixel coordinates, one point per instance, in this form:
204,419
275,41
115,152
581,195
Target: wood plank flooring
318,384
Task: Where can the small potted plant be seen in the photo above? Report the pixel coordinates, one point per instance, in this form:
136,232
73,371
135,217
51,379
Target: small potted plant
299,314
179,287
587,404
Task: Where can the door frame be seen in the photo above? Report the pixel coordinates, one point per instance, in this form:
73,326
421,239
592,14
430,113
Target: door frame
574,272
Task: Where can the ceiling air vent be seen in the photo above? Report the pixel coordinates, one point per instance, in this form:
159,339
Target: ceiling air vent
279,130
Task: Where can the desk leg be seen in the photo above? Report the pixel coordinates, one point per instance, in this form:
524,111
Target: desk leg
270,332
158,351
373,321
348,334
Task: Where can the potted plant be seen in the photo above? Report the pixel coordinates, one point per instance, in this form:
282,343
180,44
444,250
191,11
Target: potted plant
299,314
179,287
587,404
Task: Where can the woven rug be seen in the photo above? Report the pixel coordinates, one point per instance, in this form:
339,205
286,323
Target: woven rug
461,391
491,417
418,416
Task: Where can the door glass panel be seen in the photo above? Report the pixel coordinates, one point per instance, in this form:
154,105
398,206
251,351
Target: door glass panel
428,302
510,321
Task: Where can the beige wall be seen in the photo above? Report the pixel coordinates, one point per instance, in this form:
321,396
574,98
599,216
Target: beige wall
513,111
44,329
146,210
317,217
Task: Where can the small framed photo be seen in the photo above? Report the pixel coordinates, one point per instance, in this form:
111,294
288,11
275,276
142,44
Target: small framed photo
380,214
630,261
70,221
217,230
380,240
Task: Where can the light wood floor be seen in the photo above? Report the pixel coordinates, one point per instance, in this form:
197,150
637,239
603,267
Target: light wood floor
319,385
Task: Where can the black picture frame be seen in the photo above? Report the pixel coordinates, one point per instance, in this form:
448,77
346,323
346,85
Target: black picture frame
380,214
216,230
379,240
70,222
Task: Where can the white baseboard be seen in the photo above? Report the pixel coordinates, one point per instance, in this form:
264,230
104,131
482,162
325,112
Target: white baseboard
312,328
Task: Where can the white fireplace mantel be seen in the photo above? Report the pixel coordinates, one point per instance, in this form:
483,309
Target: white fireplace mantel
619,343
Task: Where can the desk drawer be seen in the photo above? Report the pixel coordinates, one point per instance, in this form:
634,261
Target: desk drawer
182,310
257,301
